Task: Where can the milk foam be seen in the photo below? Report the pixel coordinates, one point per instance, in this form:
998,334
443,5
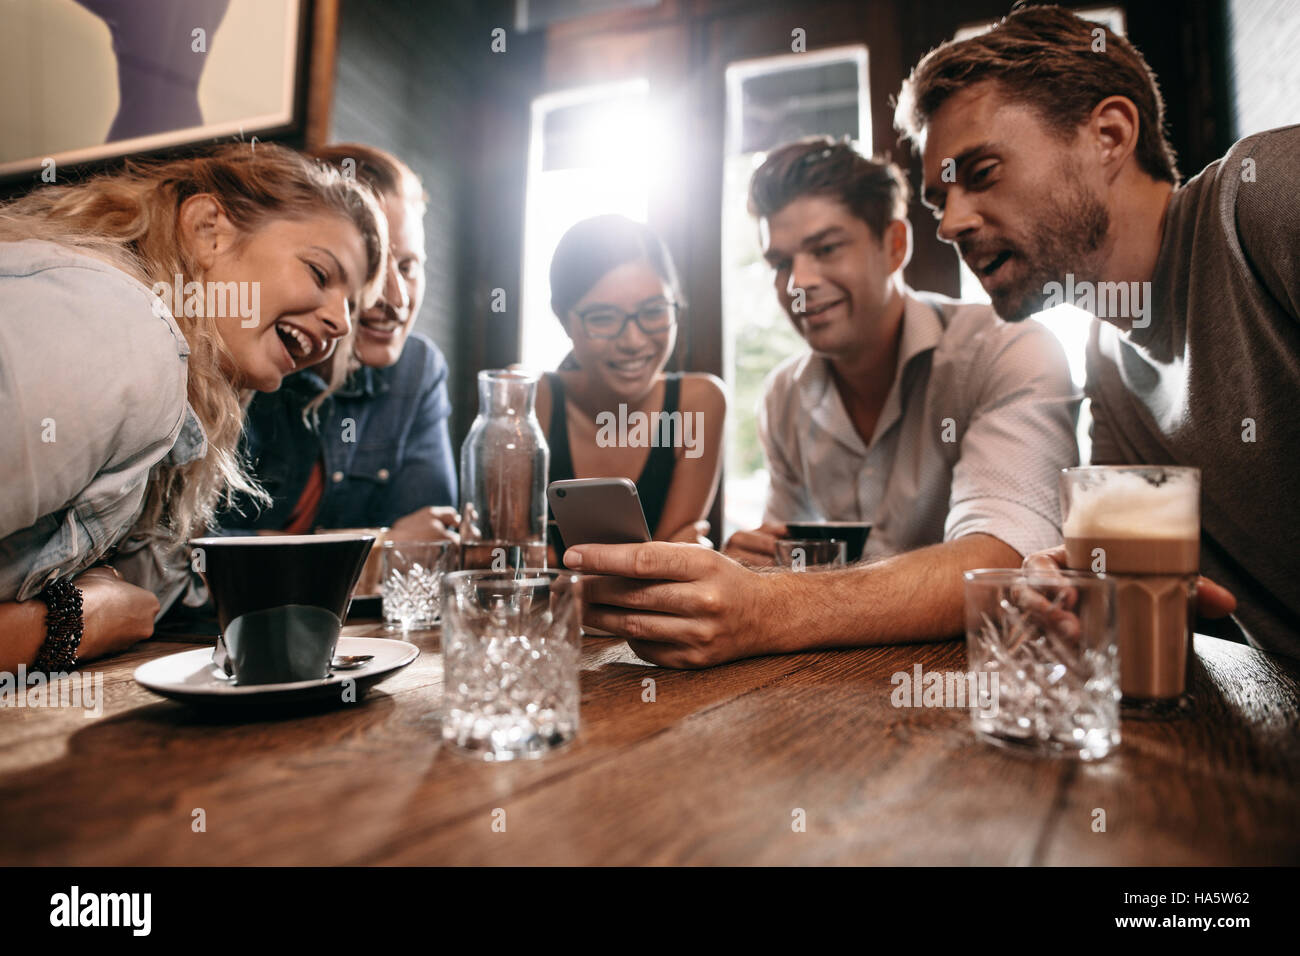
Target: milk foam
1126,505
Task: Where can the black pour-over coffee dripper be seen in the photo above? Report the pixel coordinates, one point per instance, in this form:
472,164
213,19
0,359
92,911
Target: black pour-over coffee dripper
280,600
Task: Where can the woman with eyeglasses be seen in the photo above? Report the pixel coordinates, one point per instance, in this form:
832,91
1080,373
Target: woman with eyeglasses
615,291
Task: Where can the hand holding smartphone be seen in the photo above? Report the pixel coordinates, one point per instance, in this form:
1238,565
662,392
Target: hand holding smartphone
597,511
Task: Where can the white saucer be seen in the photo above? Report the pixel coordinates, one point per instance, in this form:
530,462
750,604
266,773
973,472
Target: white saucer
191,677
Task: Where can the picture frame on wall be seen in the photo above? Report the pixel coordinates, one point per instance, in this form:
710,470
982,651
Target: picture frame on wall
86,82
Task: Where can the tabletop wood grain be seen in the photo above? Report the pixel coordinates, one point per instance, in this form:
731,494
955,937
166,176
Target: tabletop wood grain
721,767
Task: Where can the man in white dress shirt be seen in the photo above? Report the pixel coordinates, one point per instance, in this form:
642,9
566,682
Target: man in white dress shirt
930,418
934,419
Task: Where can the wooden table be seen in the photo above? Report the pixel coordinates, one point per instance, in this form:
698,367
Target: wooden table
714,770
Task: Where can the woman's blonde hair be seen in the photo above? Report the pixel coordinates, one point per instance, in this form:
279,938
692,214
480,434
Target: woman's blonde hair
130,219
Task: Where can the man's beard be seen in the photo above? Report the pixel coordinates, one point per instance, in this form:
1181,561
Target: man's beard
1065,238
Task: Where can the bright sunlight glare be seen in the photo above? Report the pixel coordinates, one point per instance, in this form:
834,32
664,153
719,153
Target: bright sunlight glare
617,156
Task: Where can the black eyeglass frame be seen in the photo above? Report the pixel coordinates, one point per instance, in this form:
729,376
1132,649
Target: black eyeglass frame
674,309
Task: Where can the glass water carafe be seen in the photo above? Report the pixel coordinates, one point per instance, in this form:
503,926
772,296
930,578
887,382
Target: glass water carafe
503,468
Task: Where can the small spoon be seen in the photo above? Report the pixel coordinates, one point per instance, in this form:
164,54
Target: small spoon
350,662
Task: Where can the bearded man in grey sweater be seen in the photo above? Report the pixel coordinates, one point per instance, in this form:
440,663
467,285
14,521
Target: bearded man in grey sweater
1046,164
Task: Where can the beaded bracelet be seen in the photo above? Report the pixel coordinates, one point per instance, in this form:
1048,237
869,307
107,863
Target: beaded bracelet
63,627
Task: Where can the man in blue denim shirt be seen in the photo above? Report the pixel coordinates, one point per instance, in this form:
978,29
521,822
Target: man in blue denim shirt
383,439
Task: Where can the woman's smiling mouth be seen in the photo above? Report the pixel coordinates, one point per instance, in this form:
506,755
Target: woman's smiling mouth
301,347
632,367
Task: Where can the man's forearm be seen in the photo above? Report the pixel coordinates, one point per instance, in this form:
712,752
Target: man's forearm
917,596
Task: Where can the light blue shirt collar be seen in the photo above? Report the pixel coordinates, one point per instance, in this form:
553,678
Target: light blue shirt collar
191,443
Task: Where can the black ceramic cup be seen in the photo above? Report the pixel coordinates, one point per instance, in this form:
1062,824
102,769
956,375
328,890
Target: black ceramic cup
852,533
281,601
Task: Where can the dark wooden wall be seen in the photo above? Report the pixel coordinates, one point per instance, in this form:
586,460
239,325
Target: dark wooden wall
416,78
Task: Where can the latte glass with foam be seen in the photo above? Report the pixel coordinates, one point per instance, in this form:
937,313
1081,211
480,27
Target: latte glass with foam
1141,526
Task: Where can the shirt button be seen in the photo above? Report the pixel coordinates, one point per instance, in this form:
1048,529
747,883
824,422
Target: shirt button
382,474
337,476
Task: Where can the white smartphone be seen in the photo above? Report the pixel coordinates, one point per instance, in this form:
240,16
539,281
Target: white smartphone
597,511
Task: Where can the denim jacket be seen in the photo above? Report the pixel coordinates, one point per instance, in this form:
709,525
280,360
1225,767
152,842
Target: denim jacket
92,397
383,438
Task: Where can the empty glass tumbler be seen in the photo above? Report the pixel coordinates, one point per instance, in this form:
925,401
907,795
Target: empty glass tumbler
411,582
1042,645
511,643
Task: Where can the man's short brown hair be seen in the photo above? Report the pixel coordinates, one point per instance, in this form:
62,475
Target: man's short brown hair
1045,57
379,169
873,190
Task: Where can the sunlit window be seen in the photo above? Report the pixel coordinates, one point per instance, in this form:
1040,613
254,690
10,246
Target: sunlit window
770,101
592,151
1265,70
